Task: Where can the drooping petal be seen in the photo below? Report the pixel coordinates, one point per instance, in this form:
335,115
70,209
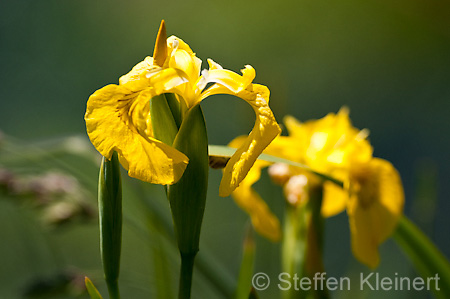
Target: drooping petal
110,129
374,209
264,131
335,198
263,220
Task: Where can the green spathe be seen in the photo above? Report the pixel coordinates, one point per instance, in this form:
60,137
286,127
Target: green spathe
188,196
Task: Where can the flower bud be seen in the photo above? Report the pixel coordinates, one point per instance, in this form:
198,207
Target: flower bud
295,189
279,173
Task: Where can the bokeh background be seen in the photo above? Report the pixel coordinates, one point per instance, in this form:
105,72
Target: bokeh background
388,61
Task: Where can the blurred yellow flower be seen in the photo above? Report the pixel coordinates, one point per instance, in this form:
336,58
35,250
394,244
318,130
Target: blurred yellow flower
372,194
118,116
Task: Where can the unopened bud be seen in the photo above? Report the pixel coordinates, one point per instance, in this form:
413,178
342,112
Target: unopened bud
279,173
294,190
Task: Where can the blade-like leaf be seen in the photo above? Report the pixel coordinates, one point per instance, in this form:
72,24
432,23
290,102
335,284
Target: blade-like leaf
225,151
427,259
92,290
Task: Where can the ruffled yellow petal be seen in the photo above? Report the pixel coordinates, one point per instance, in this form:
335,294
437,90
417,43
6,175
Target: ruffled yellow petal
263,220
175,43
168,80
136,73
214,65
264,131
330,142
111,127
186,62
232,81
181,57
374,208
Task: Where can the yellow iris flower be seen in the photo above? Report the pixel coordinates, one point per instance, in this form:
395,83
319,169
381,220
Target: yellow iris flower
373,193
118,116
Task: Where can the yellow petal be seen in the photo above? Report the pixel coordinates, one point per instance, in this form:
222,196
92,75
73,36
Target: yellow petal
264,131
137,72
330,142
111,128
235,83
374,209
175,43
168,80
247,199
335,198
188,63
214,65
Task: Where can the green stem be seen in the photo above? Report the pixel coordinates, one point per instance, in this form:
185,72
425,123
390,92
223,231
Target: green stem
244,283
209,266
427,259
314,247
293,246
186,273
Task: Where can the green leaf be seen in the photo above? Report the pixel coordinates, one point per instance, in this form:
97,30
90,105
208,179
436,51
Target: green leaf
244,285
427,259
225,151
92,290
164,126
110,220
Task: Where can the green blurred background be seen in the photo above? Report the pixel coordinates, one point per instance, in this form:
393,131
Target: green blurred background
388,61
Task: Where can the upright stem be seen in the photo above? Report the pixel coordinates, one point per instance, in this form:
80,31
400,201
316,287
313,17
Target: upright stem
186,273
293,247
314,248
303,243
